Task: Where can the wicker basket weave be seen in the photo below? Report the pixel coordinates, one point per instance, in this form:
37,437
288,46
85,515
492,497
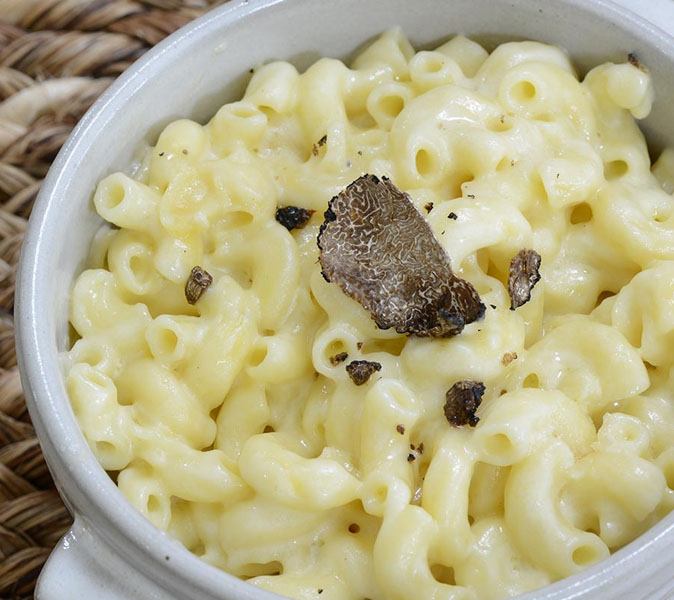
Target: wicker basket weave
56,57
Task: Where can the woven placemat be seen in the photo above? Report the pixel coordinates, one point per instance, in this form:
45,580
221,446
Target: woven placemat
56,57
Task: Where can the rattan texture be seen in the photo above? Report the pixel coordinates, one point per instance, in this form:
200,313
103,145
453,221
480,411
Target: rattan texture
56,58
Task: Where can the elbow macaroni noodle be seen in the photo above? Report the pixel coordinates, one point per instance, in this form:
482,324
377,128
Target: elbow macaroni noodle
228,425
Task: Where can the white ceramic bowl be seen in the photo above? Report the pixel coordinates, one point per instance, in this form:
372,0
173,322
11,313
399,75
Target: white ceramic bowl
112,552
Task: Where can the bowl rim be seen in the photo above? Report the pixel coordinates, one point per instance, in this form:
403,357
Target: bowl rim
81,480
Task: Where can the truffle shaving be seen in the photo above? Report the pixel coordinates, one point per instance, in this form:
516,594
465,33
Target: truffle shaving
523,277
338,358
378,248
462,400
361,370
197,283
633,59
293,217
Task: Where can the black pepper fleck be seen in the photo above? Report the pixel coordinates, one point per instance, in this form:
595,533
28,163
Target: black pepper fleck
318,145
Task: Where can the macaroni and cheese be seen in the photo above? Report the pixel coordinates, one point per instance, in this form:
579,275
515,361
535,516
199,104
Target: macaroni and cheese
231,421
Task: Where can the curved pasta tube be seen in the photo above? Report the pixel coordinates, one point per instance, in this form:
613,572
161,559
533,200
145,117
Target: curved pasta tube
241,187
275,470
499,228
532,512
176,256
348,552
445,496
510,55
421,135
99,309
591,363
212,368
637,217
623,433
243,414
106,424
573,178
98,304
203,517
495,568
235,125
274,86
392,49
335,339
643,311
401,558
487,489
278,358
517,424
128,203
469,55
387,476
189,204
656,413
260,530
173,338
385,102
619,489
433,69
663,170
98,353
130,259
321,97
666,462
582,270
621,88
541,91
146,492
193,475
475,354
159,398
182,144
270,261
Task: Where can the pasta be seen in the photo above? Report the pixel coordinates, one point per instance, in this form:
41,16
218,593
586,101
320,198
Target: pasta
229,419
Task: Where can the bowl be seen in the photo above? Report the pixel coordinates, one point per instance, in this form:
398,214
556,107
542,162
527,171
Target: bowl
112,552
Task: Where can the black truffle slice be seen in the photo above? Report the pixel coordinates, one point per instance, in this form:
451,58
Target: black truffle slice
361,370
523,277
381,252
197,283
293,217
462,400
